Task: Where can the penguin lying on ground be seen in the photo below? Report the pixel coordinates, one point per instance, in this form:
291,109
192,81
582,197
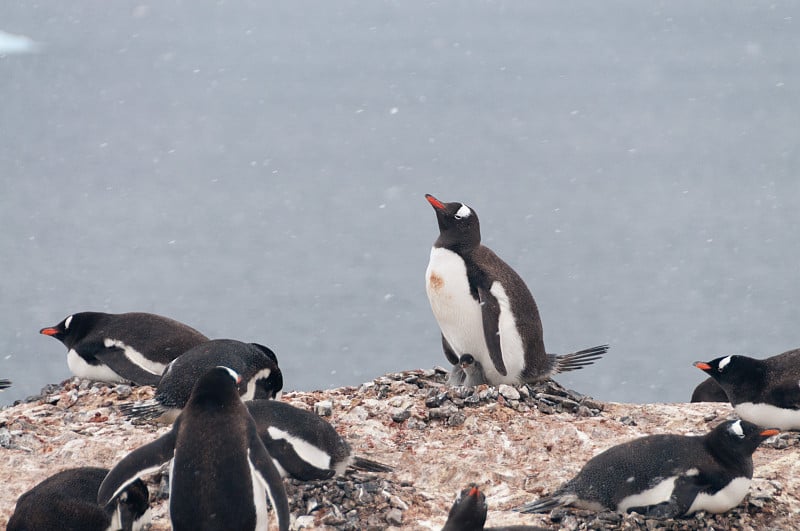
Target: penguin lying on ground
468,513
257,365
302,444
5,384
221,474
485,309
67,501
709,391
132,347
665,476
765,392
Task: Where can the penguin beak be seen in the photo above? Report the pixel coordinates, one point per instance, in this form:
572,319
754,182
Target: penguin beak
770,432
702,365
435,203
48,331
474,492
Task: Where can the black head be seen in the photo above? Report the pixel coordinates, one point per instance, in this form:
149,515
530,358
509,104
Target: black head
268,376
468,513
459,227
466,361
217,386
737,437
134,502
731,369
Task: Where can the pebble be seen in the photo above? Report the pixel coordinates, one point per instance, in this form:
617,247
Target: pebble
323,408
508,392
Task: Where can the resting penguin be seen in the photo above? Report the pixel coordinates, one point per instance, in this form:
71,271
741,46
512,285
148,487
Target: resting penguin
468,513
302,444
485,309
257,365
765,392
121,347
665,476
67,501
221,474
709,391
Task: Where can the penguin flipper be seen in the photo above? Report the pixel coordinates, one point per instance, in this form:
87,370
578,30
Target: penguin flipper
119,362
490,311
786,395
140,462
448,352
268,475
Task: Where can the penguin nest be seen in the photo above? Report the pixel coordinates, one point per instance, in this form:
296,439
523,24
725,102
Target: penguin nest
516,443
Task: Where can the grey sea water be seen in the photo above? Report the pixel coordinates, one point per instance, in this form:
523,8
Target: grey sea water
257,171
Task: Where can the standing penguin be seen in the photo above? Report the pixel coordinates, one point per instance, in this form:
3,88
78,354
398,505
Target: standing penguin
302,444
666,475
485,309
257,365
120,347
765,392
67,501
221,474
468,513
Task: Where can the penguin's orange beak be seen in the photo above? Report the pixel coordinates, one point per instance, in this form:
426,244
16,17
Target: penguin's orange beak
474,491
703,366
770,432
48,331
435,203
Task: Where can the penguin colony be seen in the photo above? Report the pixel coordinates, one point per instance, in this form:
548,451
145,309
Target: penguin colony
232,440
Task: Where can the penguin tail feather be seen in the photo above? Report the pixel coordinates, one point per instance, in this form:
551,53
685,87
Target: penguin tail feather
142,411
578,360
542,505
368,465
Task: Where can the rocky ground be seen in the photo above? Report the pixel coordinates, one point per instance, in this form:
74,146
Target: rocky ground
515,443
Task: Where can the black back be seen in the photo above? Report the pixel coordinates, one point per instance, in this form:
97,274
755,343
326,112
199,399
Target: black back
247,359
68,501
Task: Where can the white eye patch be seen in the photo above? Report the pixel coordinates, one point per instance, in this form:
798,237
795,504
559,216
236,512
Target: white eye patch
736,429
724,362
67,322
463,212
233,373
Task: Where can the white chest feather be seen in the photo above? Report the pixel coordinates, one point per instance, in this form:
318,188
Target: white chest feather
260,492
82,369
769,416
456,311
306,451
724,499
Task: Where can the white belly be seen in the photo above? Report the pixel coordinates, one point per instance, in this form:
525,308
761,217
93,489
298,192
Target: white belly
769,416
459,314
653,496
82,369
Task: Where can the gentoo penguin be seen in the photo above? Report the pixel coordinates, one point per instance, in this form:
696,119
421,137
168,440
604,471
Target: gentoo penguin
221,474
468,513
667,475
5,384
121,347
765,392
256,364
302,444
709,391
68,501
485,309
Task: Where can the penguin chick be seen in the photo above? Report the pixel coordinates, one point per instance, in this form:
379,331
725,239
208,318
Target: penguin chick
302,444
68,501
484,308
221,475
666,475
765,392
257,365
122,347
